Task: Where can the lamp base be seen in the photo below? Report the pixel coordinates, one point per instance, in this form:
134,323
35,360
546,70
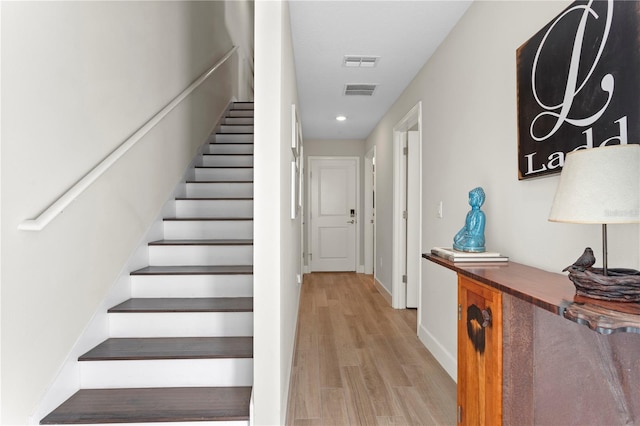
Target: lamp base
620,285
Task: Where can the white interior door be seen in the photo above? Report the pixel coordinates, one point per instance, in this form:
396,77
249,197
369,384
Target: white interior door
333,212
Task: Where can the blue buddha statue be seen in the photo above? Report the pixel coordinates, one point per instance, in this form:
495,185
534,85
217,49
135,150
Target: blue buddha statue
471,237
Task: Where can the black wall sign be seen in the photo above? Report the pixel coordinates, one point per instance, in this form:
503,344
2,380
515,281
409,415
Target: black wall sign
578,84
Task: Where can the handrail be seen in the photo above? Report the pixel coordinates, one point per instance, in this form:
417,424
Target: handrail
72,193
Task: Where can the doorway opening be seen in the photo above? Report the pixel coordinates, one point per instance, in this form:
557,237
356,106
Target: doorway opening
407,210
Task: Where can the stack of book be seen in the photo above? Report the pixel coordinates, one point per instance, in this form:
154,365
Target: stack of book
463,256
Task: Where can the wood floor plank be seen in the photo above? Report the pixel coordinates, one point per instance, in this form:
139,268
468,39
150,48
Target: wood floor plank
391,421
345,311
307,397
330,376
387,364
153,405
437,390
413,407
334,407
381,398
359,406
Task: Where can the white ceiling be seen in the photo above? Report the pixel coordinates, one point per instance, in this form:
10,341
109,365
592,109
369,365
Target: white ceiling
404,34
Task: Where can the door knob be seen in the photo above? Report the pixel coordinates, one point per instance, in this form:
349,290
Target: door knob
486,316
351,221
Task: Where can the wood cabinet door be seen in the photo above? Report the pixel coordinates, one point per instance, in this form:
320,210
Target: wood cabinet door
479,353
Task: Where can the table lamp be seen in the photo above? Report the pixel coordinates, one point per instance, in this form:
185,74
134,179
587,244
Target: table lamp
599,186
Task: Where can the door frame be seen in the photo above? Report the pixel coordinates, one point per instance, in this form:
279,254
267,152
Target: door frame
311,159
369,211
414,228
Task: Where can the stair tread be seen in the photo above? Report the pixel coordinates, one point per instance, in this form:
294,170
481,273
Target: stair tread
220,242
223,167
185,304
220,181
231,154
214,198
234,133
210,219
153,405
147,348
195,270
186,219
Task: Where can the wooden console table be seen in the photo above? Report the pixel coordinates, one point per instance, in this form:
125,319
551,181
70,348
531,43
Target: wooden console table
521,362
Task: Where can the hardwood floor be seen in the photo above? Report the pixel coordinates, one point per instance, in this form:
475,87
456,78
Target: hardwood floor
359,362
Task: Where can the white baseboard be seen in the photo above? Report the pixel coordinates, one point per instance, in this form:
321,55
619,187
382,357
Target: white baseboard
383,291
360,269
446,359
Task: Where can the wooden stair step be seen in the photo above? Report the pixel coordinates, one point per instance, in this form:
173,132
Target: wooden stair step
148,348
223,167
225,242
243,104
141,405
231,143
219,181
185,304
195,270
206,218
213,198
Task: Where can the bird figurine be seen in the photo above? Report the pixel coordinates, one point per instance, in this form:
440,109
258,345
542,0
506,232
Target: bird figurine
585,261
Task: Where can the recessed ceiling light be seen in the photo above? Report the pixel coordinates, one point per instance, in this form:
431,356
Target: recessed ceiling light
341,118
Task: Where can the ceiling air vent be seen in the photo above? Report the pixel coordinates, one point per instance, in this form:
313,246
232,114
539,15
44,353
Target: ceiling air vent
359,61
359,89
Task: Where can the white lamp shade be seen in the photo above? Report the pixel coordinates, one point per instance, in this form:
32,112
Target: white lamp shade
599,185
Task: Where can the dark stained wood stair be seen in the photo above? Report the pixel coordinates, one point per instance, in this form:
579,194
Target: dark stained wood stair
195,270
185,304
170,348
184,335
146,405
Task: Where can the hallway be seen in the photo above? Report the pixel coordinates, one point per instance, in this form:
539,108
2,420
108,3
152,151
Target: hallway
357,361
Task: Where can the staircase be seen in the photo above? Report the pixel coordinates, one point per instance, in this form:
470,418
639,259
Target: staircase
181,349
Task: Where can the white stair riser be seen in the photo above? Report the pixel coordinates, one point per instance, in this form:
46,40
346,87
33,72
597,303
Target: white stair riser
219,190
238,120
229,148
208,230
234,128
223,174
200,255
166,373
181,324
214,208
191,285
240,113
212,160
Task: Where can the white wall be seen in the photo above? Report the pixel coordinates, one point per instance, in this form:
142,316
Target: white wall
78,78
468,90
335,148
277,237
239,18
